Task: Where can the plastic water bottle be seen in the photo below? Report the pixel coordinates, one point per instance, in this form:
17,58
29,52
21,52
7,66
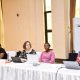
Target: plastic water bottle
8,57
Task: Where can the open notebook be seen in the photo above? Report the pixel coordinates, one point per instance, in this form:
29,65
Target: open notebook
71,65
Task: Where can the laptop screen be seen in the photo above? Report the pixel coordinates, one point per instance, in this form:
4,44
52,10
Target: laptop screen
71,64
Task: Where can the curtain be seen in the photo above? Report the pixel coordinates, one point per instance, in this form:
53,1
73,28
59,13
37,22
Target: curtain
1,27
72,15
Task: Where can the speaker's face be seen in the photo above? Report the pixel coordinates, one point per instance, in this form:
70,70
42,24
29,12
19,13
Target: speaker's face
46,46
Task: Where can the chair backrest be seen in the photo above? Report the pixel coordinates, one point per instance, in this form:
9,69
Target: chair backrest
11,54
72,56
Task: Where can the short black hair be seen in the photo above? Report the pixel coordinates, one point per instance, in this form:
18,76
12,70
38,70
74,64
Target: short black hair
47,43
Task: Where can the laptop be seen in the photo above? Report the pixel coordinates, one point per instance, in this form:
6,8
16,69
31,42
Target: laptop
71,65
17,60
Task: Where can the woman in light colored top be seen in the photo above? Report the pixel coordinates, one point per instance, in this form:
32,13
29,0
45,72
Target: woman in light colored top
78,57
48,55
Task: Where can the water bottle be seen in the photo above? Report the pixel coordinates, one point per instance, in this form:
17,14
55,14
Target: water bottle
8,57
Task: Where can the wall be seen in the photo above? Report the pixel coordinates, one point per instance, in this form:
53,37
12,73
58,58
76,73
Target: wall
60,28
0,22
27,26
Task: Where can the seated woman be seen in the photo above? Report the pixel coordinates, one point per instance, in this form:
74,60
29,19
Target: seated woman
48,55
27,50
78,57
3,54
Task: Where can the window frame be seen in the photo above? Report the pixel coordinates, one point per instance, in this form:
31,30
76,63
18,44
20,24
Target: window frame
46,30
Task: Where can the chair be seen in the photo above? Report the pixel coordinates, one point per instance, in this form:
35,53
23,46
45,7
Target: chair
10,54
72,56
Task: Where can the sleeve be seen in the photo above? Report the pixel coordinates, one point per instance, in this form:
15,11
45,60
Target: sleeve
52,57
18,54
25,56
78,59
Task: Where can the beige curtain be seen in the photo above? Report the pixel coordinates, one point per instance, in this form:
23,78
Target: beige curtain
72,15
1,28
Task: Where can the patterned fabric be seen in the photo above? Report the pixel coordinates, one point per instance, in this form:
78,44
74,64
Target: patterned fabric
31,52
24,53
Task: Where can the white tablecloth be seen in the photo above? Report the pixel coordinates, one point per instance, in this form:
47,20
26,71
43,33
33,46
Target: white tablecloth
44,71
68,74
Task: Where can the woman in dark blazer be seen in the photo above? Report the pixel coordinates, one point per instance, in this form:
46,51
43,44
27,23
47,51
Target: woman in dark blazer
27,49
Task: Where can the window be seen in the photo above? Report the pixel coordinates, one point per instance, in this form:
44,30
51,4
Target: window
48,22
77,8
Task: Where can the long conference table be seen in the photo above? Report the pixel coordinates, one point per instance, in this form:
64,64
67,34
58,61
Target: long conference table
42,71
